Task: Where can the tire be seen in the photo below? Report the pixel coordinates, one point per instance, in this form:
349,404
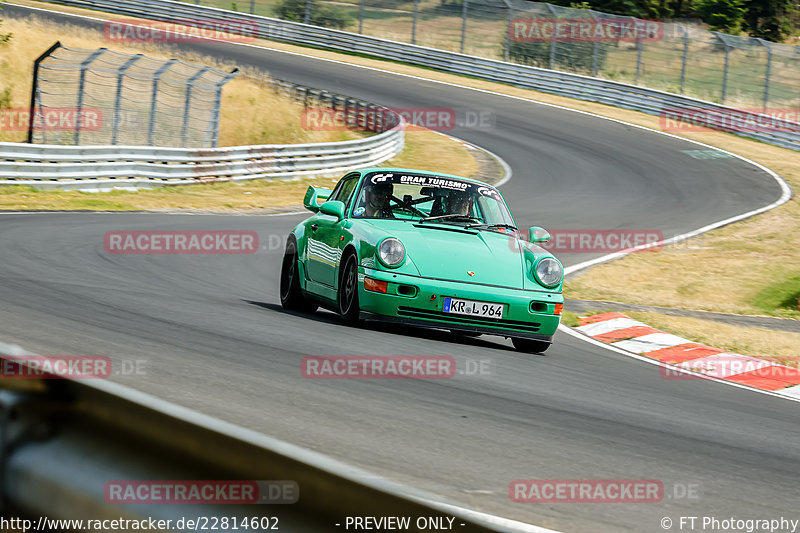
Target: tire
530,346
292,297
348,290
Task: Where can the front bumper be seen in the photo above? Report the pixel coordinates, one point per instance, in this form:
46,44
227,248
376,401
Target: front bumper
418,301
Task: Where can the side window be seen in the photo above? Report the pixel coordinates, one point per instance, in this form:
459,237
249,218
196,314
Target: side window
345,189
338,188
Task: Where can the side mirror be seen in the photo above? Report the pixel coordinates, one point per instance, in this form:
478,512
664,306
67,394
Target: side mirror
334,208
537,234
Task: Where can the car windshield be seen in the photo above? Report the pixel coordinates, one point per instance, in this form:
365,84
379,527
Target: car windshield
432,199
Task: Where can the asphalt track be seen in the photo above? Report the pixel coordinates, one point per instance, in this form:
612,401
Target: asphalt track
214,338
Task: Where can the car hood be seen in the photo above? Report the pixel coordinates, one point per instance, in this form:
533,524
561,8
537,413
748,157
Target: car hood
447,252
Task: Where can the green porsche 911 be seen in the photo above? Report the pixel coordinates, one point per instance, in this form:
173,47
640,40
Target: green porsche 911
424,249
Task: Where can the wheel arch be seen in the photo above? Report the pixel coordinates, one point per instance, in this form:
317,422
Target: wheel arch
350,248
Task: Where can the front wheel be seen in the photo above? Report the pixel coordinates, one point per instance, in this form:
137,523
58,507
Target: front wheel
529,345
292,297
348,290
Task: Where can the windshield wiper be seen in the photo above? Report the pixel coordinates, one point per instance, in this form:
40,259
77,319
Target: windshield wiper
489,226
451,216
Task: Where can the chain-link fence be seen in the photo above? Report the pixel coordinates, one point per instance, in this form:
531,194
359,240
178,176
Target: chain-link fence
679,58
104,97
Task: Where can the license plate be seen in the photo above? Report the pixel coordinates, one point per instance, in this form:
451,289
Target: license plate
472,308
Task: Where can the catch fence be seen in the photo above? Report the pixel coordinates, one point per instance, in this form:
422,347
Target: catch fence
679,58
105,97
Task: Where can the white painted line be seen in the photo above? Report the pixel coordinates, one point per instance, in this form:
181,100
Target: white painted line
649,343
607,326
791,392
786,190
649,360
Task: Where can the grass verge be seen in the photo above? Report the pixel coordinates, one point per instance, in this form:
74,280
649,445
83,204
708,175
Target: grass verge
776,346
251,114
729,268
255,194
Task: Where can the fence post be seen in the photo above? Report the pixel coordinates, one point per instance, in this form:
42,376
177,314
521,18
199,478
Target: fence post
595,48
507,47
464,8
361,17
639,47
414,23
685,55
35,87
553,41
766,45
156,76
186,106
214,122
118,98
307,16
725,70
252,7
82,81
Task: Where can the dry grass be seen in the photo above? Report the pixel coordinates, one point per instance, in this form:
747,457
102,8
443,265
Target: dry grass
777,346
421,147
745,268
251,112
426,150
727,262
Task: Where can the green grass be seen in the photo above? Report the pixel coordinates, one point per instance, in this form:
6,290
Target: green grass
780,297
568,318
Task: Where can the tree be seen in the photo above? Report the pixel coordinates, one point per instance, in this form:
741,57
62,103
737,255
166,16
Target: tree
722,15
320,15
768,19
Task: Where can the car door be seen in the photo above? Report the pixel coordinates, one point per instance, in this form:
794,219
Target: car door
324,252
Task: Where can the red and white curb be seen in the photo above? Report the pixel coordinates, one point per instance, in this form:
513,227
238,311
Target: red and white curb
679,355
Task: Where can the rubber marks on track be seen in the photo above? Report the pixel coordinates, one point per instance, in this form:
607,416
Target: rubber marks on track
679,354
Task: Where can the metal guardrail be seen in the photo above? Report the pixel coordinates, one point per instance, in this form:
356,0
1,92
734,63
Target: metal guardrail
651,101
63,440
55,166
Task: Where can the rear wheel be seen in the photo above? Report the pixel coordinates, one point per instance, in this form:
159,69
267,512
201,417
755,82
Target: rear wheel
348,290
292,297
530,345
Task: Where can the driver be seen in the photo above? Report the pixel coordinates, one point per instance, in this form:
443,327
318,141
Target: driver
459,203
377,200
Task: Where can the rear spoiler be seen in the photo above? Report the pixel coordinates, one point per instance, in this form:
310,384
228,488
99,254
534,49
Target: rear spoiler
313,196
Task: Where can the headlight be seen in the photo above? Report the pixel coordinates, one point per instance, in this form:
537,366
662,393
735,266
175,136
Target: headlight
549,272
391,252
